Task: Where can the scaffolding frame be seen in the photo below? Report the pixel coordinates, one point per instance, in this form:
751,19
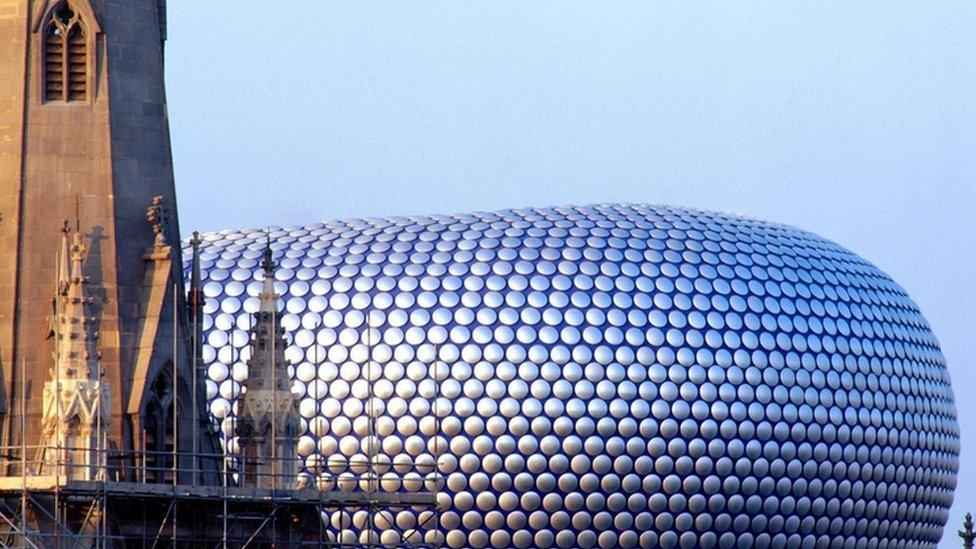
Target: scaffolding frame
128,493
58,511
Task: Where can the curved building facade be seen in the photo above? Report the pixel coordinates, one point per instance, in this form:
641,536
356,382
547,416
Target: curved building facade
612,376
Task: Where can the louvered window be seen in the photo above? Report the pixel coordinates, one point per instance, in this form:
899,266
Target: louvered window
65,57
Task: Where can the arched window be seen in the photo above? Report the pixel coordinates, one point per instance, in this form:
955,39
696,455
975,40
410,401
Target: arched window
65,56
157,419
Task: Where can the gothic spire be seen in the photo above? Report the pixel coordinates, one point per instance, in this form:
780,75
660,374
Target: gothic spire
267,367
269,299
76,402
267,422
75,354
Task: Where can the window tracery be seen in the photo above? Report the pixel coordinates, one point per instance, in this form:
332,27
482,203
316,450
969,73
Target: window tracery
158,424
65,56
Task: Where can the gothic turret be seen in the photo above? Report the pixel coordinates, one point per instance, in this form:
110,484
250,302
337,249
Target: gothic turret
76,402
267,422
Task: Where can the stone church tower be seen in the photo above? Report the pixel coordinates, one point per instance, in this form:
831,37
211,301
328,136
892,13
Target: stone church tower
84,136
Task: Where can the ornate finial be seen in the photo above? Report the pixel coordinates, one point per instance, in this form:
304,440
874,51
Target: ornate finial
268,263
196,295
269,299
967,533
158,217
78,250
64,258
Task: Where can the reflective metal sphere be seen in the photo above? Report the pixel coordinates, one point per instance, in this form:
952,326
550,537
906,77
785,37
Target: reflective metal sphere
613,376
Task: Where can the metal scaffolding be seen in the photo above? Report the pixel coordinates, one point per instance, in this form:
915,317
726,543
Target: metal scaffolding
100,496
151,499
124,506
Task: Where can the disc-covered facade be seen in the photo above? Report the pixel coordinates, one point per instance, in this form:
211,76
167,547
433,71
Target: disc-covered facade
613,376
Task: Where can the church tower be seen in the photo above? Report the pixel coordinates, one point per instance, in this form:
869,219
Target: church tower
84,136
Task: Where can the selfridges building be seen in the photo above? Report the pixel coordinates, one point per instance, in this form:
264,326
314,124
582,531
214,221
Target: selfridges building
611,376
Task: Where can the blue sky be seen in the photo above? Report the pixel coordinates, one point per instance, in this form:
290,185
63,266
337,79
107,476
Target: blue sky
857,122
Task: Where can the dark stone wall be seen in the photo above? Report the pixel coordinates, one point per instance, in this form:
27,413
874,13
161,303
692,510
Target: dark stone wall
97,163
13,52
